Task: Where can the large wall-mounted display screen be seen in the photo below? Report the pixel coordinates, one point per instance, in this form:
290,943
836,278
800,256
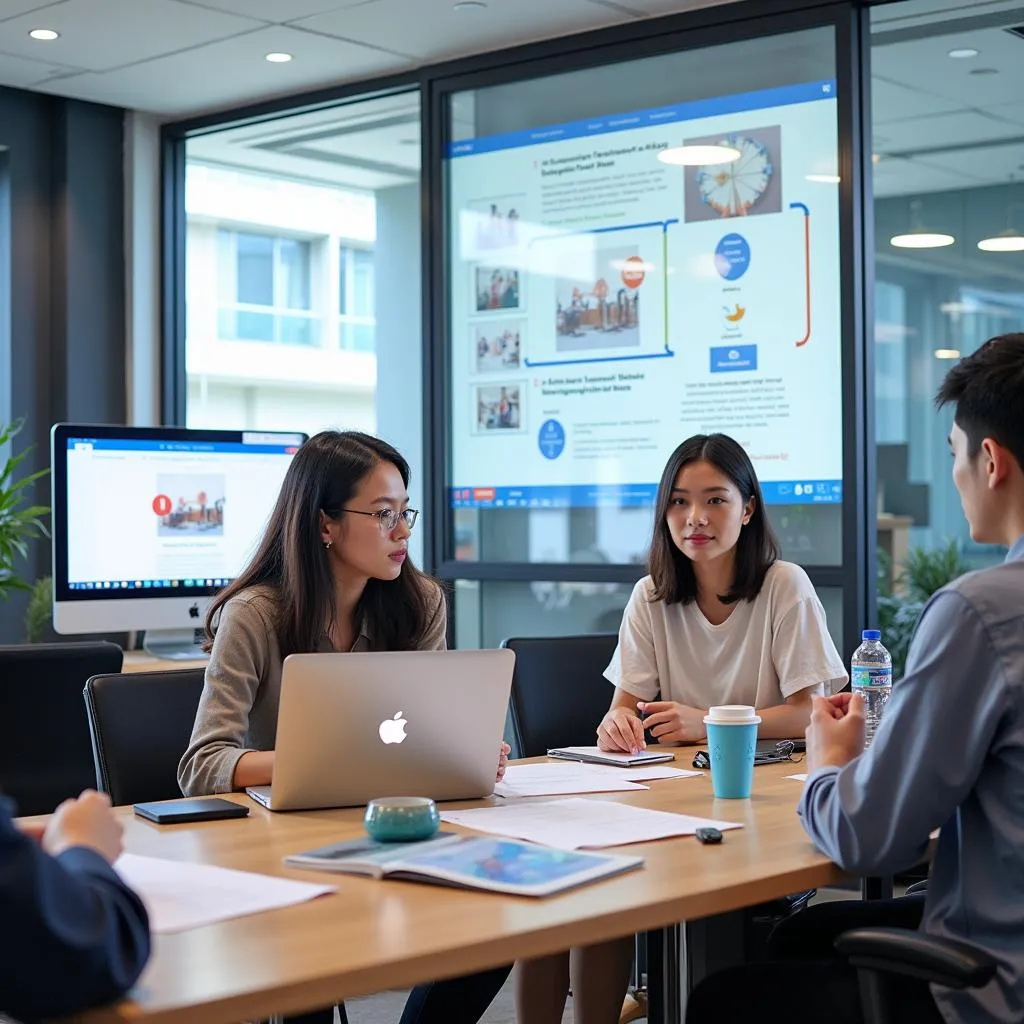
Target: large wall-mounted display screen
606,304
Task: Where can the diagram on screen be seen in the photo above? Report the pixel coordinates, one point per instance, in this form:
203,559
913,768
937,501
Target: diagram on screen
189,505
598,296
748,185
599,306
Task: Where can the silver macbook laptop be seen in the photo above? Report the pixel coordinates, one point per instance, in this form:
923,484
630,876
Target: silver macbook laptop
352,727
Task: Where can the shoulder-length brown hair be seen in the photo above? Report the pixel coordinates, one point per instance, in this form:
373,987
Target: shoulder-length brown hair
324,475
757,549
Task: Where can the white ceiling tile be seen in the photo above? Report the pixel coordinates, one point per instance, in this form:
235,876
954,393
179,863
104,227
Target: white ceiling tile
911,177
925,65
230,72
986,163
648,7
12,8
959,128
102,34
1012,112
892,102
433,30
21,73
278,11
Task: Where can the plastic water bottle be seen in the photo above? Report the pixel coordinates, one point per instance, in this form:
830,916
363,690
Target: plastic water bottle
871,677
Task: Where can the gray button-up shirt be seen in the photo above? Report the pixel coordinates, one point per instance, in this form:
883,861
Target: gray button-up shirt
949,753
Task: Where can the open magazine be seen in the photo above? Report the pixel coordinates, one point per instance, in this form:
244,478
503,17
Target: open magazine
471,862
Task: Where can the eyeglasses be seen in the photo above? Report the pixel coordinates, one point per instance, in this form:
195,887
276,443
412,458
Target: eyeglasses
388,517
785,750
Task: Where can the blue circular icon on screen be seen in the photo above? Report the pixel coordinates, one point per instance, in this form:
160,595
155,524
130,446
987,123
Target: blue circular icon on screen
732,256
551,439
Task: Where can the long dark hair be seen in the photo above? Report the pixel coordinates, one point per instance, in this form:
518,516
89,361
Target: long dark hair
324,474
757,549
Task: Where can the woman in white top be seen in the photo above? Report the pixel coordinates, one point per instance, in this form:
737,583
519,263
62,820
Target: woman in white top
719,620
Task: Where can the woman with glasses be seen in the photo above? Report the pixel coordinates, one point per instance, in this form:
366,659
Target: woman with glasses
719,620
332,573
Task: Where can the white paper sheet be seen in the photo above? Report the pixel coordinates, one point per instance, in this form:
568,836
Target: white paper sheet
648,773
576,823
559,779
179,895
799,778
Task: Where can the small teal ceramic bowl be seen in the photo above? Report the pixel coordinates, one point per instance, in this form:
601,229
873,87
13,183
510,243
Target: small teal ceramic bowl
401,819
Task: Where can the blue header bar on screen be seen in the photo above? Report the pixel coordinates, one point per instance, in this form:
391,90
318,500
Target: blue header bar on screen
786,95
109,444
775,492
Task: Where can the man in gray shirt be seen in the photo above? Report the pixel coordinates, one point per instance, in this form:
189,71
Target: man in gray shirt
949,755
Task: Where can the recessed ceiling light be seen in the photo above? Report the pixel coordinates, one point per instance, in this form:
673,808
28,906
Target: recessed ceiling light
984,71
963,52
947,353
278,58
699,156
1006,241
470,5
922,240
824,179
45,34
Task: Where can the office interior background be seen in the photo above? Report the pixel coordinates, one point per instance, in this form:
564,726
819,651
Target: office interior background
191,234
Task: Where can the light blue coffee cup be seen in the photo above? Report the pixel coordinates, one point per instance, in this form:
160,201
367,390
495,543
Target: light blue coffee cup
732,740
401,819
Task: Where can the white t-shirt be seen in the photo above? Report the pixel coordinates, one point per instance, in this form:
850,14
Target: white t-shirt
767,650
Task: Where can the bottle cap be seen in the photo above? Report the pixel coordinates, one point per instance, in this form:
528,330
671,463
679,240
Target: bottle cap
871,634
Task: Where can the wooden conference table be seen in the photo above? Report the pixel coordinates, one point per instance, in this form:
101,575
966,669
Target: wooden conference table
371,936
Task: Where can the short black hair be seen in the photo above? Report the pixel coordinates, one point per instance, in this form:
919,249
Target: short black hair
757,549
987,388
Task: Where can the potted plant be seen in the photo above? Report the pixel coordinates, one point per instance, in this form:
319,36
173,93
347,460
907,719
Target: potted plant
19,523
39,612
900,604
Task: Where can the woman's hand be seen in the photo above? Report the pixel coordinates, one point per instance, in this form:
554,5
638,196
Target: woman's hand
503,753
671,722
620,730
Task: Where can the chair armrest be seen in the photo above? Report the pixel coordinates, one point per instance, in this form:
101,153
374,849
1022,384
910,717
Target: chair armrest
916,955
917,888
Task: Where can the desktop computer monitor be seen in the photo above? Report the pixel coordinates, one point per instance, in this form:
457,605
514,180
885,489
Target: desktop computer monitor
150,522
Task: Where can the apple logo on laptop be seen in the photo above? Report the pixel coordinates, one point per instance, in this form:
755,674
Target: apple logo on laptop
392,730
193,612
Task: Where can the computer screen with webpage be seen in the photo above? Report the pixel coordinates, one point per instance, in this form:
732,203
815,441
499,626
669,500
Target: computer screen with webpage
149,523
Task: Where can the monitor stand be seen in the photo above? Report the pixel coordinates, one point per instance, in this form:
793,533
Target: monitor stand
174,644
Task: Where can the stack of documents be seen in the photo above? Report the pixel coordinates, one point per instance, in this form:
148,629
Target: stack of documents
547,779
576,823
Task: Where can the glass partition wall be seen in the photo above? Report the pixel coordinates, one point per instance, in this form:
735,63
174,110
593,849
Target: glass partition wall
634,253
574,256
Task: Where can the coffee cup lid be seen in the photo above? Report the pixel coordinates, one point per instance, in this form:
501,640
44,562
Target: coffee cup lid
732,714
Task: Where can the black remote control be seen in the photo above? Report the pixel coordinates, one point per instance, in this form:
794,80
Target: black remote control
708,835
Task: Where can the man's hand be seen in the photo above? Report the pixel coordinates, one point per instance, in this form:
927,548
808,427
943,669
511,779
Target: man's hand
87,821
503,751
837,731
620,730
35,832
670,722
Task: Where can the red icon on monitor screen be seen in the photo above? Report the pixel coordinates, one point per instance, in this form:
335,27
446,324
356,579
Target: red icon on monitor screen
162,505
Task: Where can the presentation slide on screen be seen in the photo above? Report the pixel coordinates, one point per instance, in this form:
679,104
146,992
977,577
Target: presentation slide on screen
606,305
157,513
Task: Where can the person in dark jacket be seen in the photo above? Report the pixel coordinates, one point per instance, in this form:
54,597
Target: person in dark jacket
72,934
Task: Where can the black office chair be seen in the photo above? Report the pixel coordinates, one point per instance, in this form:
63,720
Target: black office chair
879,954
45,754
559,693
140,724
